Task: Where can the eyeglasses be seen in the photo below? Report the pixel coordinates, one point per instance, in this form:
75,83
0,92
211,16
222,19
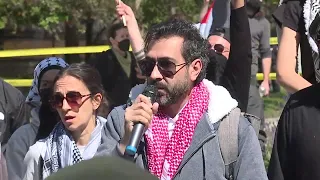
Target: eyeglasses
166,67
219,48
73,98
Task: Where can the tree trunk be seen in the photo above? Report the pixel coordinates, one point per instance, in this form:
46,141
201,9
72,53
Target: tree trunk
71,39
173,8
1,39
89,34
53,40
137,4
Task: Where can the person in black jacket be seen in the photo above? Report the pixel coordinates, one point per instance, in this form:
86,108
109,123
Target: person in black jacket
117,66
295,154
14,112
231,57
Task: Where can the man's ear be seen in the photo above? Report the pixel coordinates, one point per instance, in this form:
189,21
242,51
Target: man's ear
111,40
195,69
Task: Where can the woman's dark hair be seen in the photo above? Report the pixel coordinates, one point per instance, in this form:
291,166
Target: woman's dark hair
92,79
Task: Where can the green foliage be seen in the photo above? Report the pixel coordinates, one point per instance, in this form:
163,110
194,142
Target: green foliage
274,103
49,14
267,156
155,11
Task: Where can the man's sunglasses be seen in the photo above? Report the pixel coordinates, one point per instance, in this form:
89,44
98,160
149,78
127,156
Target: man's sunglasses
166,67
73,98
219,48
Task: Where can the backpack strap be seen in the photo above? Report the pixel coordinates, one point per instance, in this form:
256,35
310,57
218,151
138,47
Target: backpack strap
228,140
254,121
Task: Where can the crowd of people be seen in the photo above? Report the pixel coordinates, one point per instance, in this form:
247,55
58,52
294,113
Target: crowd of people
207,121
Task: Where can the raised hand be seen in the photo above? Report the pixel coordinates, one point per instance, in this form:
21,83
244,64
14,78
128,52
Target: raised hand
124,10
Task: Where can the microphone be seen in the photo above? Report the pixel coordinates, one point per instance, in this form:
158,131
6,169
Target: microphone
138,129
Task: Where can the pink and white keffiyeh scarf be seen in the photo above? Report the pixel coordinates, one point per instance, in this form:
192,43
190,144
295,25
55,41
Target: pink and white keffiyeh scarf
161,148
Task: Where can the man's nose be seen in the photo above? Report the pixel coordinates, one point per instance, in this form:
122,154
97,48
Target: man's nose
155,74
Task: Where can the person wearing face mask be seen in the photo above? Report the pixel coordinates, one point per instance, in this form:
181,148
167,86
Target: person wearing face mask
117,66
43,117
230,57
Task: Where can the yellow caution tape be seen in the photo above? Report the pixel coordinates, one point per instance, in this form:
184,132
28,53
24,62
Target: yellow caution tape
272,76
28,82
19,82
68,50
75,50
53,51
273,41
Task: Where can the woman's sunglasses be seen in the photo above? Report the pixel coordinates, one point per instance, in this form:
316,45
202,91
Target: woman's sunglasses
73,98
219,48
166,67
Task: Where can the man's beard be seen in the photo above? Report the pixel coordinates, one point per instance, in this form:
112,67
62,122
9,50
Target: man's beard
174,92
48,119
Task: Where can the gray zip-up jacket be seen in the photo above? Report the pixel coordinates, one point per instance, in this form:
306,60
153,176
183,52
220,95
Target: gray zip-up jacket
203,159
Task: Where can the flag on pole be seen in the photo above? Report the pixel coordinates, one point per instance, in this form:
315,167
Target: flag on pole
206,22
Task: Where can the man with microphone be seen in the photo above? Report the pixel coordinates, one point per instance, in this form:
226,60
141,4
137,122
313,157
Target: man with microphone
180,137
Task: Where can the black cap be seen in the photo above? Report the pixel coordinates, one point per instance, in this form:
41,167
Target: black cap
253,7
223,32
101,168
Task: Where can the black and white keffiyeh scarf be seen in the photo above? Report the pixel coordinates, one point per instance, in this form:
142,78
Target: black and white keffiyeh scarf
311,14
61,152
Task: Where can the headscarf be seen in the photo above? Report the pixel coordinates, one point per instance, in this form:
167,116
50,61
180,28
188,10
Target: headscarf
45,65
310,10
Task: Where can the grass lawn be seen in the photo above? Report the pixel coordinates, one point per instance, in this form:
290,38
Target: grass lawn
274,103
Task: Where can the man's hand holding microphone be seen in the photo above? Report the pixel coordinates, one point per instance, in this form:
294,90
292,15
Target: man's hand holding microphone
138,117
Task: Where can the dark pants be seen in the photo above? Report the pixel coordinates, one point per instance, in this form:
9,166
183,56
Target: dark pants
256,107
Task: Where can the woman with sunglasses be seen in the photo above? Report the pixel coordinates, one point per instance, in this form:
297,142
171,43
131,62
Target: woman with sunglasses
78,97
42,120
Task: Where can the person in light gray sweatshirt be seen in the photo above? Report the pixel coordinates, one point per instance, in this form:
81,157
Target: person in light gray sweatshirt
181,140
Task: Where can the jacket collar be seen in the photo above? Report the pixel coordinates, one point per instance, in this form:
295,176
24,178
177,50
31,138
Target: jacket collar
220,104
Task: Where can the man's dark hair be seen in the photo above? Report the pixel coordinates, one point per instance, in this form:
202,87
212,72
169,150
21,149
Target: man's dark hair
254,9
114,28
194,46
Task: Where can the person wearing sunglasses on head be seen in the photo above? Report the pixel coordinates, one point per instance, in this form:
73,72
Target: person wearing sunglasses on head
181,139
78,97
230,56
42,120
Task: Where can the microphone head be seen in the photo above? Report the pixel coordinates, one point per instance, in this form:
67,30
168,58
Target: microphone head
151,92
